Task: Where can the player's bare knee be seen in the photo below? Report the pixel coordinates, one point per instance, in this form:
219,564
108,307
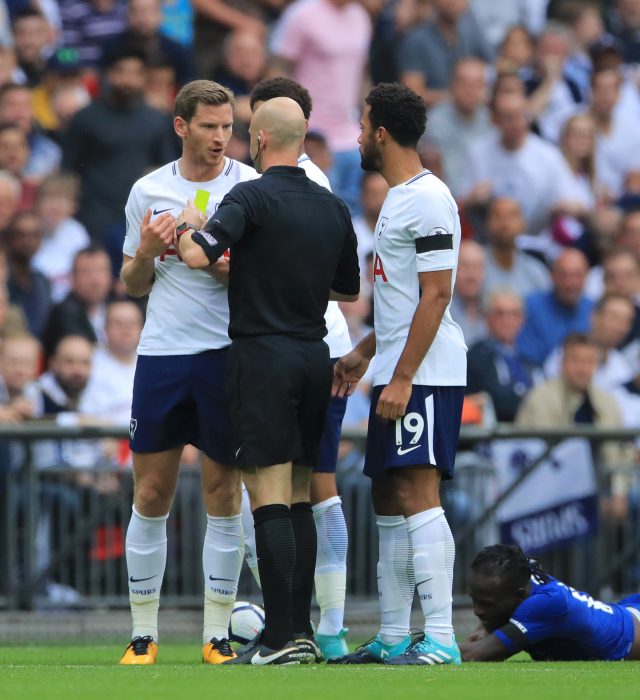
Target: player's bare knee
223,500
152,499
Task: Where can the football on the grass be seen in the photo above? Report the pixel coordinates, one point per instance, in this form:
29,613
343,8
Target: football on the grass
247,620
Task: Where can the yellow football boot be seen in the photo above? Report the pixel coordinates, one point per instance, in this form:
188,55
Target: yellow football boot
217,651
141,651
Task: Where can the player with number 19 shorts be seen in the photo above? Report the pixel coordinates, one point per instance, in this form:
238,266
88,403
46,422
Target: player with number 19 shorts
419,375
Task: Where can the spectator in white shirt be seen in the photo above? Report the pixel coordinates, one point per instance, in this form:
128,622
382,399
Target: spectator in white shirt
618,137
553,95
516,163
506,266
19,361
466,305
64,236
108,394
611,322
456,123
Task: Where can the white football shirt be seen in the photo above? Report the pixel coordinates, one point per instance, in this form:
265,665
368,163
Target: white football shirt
418,230
337,337
188,311
108,393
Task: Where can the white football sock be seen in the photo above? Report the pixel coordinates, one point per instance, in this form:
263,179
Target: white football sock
250,555
221,564
396,581
331,564
146,548
434,552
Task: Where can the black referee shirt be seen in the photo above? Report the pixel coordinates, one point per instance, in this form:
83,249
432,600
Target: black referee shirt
292,242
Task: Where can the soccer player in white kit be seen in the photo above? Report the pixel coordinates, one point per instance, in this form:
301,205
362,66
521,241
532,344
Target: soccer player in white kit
331,560
179,394
419,375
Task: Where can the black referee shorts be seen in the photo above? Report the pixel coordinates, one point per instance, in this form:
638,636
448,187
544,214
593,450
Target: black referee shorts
279,389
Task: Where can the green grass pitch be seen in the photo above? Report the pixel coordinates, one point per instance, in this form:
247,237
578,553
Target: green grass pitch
92,673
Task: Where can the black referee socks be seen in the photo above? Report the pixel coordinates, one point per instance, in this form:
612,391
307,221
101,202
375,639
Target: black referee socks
276,551
304,529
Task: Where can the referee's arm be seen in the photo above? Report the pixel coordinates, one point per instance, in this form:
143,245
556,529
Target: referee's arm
346,281
201,248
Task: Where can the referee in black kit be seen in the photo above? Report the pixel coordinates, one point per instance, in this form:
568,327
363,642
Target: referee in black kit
293,249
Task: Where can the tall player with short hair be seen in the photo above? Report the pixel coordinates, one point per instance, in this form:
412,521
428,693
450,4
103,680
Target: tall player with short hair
331,560
419,377
179,393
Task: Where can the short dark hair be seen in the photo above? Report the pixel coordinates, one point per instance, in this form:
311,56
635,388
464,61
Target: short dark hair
316,137
399,110
27,13
604,300
92,249
508,562
578,340
12,87
9,126
205,92
269,88
122,52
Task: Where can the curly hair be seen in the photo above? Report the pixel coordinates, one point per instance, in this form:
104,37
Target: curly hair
399,110
269,88
507,562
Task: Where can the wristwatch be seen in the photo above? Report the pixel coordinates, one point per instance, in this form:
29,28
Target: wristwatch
183,228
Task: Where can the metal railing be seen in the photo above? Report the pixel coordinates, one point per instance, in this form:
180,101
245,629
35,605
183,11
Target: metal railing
62,529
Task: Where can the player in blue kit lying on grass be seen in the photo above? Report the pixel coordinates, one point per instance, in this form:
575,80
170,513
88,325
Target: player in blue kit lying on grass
522,608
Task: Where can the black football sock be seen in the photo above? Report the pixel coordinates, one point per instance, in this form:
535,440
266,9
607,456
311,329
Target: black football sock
276,551
304,528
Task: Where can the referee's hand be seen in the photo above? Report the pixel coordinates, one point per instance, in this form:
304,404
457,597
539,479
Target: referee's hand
347,372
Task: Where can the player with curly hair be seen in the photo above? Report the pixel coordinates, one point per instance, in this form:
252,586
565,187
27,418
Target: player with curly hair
523,608
418,379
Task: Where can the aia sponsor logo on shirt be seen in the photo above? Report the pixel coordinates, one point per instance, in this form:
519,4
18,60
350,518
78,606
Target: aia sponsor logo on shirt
378,270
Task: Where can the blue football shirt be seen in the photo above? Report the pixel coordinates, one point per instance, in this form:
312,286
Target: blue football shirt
557,623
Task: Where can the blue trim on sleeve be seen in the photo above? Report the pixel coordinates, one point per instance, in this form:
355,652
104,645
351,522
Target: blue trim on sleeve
505,640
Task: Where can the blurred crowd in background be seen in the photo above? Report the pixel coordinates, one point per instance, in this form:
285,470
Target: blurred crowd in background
533,122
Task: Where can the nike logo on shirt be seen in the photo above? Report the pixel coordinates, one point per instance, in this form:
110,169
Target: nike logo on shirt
160,211
402,451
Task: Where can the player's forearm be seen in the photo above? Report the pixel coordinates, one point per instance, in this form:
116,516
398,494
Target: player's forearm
488,649
424,327
192,254
367,346
137,275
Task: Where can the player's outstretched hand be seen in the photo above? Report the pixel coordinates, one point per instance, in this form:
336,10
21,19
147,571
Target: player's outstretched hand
347,372
157,235
478,633
393,400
